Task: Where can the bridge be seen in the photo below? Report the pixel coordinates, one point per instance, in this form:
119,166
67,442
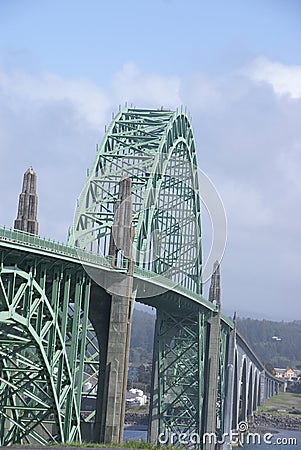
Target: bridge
66,309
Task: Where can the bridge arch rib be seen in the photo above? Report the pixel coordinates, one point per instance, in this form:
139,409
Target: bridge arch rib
39,396
156,150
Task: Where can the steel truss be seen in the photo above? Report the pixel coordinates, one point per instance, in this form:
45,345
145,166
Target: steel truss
180,354
41,366
156,150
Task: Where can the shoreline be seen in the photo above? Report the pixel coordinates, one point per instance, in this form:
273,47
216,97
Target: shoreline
261,422
267,421
133,427
136,419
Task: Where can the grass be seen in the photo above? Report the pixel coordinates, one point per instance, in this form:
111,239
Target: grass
282,404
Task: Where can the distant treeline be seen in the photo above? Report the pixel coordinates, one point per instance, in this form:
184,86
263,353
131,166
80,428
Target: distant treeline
276,343
142,338
285,351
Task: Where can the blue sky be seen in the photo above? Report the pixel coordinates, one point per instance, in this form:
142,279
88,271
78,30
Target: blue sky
94,38
65,66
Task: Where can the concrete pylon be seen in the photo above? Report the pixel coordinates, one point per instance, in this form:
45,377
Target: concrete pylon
262,388
28,204
229,398
119,332
213,356
153,423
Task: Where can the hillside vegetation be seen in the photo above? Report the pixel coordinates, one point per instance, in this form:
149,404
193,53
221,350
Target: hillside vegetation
284,352
142,337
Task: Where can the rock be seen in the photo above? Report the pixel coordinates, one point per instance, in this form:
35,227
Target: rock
136,419
286,422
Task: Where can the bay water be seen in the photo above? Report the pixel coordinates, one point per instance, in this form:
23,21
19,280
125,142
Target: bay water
275,439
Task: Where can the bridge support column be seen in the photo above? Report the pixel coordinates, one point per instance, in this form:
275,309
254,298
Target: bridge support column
262,389
117,365
121,289
229,400
153,424
212,380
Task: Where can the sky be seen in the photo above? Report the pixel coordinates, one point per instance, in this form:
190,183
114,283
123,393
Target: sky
65,67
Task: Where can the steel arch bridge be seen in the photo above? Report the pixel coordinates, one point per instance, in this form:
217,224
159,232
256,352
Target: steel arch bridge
65,309
156,150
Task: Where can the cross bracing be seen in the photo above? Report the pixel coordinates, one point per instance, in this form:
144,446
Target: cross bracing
58,361
25,392
39,400
180,349
156,150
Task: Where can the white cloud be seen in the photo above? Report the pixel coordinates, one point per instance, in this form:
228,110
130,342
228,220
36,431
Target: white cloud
88,100
93,103
146,90
284,79
54,123
202,93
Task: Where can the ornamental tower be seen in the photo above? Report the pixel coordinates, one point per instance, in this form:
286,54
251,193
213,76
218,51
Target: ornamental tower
28,204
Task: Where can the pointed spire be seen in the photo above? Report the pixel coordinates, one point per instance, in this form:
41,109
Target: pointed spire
28,204
235,320
215,289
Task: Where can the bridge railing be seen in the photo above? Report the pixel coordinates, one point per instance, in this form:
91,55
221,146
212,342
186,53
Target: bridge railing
59,248
244,343
37,242
23,237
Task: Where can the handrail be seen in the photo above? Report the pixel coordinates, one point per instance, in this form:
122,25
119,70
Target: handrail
32,240
35,241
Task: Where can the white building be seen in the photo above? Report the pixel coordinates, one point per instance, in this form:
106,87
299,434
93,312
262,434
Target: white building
136,397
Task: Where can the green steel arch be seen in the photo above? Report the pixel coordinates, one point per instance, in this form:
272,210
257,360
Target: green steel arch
48,351
37,393
156,149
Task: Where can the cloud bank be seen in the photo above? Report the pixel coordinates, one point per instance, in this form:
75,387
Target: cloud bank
249,142
285,80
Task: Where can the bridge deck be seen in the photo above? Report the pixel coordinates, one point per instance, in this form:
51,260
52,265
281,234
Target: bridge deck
38,245
21,240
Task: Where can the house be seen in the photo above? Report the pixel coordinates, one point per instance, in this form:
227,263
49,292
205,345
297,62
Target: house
287,374
279,373
136,397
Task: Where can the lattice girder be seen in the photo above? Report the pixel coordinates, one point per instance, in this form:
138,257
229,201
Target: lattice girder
156,150
180,351
40,402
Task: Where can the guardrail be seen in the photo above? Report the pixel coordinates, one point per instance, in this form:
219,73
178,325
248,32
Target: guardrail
34,241
31,240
